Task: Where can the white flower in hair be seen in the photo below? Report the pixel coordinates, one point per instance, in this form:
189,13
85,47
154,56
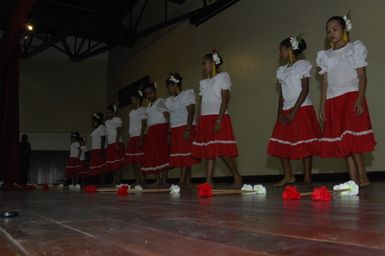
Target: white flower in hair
216,58
294,43
155,84
348,23
96,116
140,93
174,79
115,107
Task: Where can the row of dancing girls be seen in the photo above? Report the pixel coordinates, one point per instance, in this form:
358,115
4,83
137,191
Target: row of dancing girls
173,139
347,131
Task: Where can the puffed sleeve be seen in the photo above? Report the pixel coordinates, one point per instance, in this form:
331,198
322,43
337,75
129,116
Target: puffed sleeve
303,69
224,81
189,97
168,103
118,121
279,73
360,53
161,106
142,114
202,87
322,62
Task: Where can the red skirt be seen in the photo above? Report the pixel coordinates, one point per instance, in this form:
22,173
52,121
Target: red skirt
181,148
73,166
345,133
156,150
210,144
115,157
134,154
299,138
97,162
83,170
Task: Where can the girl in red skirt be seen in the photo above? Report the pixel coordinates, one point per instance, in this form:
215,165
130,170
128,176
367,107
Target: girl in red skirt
296,132
98,146
73,164
83,170
137,123
347,128
115,158
214,136
181,105
156,159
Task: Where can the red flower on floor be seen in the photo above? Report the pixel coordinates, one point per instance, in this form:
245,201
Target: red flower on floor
291,193
123,190
90,189
45,187
321,194
205,190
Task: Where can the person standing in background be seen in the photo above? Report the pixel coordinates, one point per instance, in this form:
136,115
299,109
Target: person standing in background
25,157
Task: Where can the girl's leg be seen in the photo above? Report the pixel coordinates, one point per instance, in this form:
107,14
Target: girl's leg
188,180
230,163
210,166
182,179
352,169
307,165
362,175
288,173
136,170
117,176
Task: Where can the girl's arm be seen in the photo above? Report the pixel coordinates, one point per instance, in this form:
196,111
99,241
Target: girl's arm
280,103
118,134
362,78
301,98
190,119
144,127
225,95
190,115
324,88
103,140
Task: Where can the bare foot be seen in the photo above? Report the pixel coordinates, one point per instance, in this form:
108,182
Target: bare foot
156,184
285,181
237,182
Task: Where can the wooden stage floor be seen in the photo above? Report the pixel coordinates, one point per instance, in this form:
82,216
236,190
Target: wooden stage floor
77,223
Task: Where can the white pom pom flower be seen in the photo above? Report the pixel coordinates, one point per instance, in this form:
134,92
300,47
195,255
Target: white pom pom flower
350,188
259,189
174,189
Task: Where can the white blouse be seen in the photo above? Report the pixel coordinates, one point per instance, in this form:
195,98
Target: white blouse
177,107
210,90
111,126
74,149
341,67
96,137
155,112
290,79
136,116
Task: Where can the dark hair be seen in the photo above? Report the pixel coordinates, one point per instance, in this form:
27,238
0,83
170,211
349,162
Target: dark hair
75,135
149,86
98,117
301,45
210,55
113,108
340,20
177,76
